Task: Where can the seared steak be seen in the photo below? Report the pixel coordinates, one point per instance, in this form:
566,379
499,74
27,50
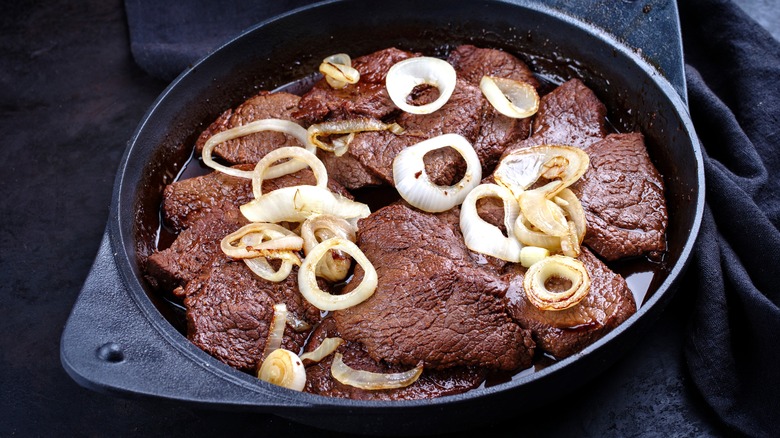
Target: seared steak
251,148
230,309
623,197
565,332
473,62
433,303
431,383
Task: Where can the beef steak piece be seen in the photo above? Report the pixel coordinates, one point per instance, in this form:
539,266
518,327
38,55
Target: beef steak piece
622,194
230,309
430,384
367,98
433,303
566,332
251,148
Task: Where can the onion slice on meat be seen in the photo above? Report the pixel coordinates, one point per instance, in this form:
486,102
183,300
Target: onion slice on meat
307,279
345,128
258,239
523,167
283,368
276,329
277,125
264,270
547,216
405,75
334,266
369,380
297,203
338,71
414,185
532,254
483,237
516,99
265,168
326,347
562,267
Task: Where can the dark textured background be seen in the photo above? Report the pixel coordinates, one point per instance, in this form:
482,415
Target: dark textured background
71,96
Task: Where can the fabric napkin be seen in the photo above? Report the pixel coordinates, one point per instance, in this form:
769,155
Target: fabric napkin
733,76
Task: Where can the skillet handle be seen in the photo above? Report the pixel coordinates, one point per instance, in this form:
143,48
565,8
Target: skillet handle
651,27
109,345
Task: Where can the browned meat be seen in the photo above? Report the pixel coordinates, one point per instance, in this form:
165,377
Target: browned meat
433,303
623,197
229,310
565,332
367,98
473,62
431,384
186,200
251,148
192,250
571,114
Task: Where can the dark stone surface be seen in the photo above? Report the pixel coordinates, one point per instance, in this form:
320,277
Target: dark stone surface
71,97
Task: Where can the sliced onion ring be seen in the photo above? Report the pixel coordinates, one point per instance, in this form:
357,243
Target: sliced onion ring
483,237
556,266
351,126
297,203
278,125
525,233
256,239
369,380
516,99
326,347
276,329
405,75
338,70
283,368
307,279
523,167
547,216
266,169
319,228
264,270
414,185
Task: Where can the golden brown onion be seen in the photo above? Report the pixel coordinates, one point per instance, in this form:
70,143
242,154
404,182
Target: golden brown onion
562,267
338,71
369,380
284,368
345,128
516,99
523,167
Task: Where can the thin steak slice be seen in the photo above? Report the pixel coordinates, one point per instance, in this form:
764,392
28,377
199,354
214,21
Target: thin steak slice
431,383
433,303
623,197
367,98
251,148
230,309
566,332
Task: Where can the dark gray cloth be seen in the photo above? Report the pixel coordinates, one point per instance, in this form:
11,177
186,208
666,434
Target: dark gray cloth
733,76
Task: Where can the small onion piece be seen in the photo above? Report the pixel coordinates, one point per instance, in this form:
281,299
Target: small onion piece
346,127
405,75
522,168
319,228
532,254
547,216
338,71
283,368
414,185
483,237
264,270
573,208
265,168
278,125
369,380
307,279
276,329
559,266
527,235
516,99
297,203
257,239
326,347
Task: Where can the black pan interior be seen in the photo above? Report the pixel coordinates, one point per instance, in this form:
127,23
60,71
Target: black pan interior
292,46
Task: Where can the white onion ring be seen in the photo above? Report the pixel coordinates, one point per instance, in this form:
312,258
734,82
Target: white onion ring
405,75
326,347
483,237
516,99
369,380
523,167
276,330
307,279
338,71
556,266
297,203
414,185
283,368
264,270
265,167
278,125
320,228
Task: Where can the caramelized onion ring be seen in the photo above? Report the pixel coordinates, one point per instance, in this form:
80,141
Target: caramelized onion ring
257,239
516,99
405,75
297,203
338,71
319,228
348,127
372,381
265,168
556,266
523,167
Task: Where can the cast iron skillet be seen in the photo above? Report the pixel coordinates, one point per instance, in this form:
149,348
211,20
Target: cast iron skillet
118,338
